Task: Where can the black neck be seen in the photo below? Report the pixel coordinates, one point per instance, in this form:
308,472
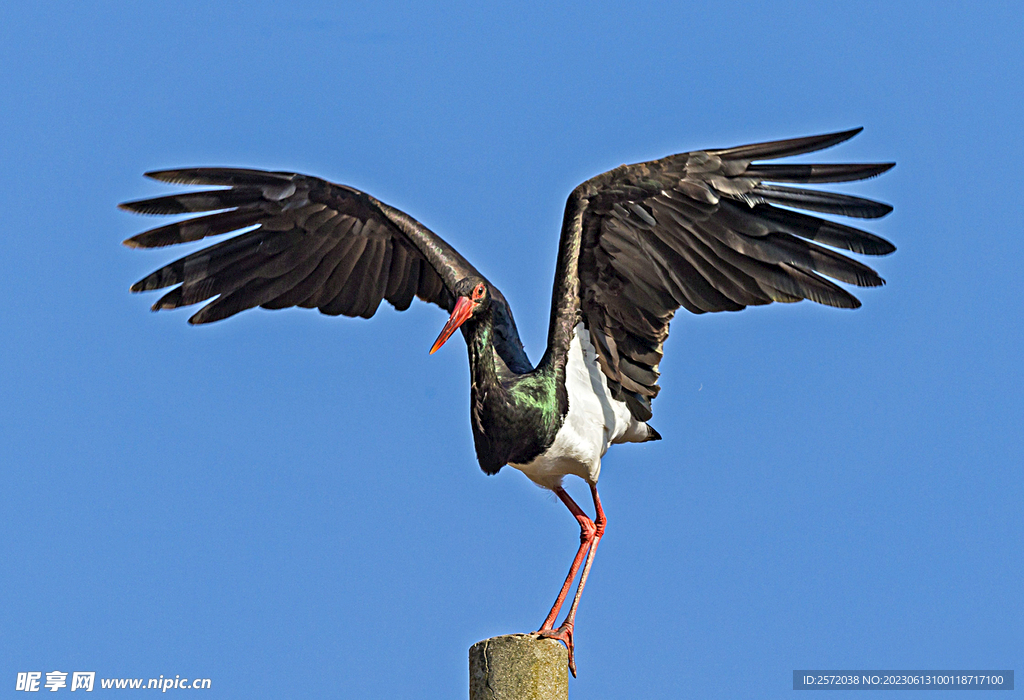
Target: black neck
514,416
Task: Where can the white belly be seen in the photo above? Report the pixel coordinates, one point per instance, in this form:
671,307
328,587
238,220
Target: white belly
595,421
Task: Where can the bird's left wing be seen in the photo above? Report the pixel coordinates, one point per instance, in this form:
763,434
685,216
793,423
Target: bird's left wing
301,241
703,231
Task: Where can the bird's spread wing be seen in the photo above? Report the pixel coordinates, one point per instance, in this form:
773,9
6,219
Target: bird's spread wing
309,243
706,232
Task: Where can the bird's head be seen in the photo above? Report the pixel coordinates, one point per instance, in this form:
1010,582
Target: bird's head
472,298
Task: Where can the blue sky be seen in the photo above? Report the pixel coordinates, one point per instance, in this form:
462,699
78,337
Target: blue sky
289,504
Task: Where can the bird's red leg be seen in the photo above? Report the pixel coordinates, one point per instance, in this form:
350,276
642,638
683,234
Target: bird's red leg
590,535
587,529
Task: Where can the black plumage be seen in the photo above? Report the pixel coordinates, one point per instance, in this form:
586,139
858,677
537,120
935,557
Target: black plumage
699,230
705,231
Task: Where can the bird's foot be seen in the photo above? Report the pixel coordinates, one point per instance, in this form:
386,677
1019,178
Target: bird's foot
564,635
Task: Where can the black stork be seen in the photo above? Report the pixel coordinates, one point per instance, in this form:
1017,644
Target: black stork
699,230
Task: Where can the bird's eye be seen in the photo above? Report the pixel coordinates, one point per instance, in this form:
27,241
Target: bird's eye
478,292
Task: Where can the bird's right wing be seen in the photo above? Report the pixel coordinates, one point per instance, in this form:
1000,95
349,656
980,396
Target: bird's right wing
309,243
315,244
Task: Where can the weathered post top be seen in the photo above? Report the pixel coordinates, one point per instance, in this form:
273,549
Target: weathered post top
518,667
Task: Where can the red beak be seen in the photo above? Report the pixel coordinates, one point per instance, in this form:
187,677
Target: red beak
463,310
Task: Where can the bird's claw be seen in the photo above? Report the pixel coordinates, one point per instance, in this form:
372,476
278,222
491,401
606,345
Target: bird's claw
564,635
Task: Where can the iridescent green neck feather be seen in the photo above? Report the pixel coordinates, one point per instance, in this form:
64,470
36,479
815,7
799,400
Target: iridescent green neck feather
515,417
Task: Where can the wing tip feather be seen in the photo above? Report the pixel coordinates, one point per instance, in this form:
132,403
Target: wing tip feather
173,175
769,150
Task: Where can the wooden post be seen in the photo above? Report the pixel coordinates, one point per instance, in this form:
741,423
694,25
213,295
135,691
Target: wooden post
518,667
